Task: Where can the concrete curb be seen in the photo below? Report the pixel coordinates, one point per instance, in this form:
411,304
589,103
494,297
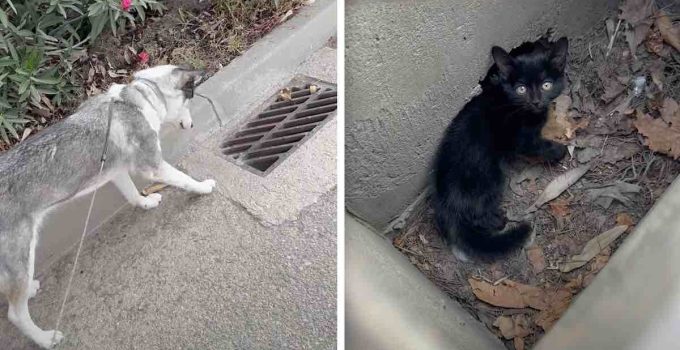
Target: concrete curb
236,90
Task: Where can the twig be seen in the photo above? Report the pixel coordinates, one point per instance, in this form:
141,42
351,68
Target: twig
611,40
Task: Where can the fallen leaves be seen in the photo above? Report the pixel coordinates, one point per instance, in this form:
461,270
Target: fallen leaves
669,32
153,189
508,294
592,248
560,125
604,196
516,326
536,258
558,185
661,134
624,219
550,302
558,302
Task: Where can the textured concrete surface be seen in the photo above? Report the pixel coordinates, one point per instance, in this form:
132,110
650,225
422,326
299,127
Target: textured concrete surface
391,305
196,273
410,67
634,302
236,90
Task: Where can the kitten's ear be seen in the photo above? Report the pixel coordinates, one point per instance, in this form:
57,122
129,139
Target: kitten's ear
503,60
558,54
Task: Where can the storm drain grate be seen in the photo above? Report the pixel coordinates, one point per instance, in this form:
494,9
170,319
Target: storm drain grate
296,113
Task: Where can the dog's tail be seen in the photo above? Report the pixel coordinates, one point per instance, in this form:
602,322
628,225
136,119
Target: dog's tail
481,239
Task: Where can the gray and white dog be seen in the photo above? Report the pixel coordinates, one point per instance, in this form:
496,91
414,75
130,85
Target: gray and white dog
63,162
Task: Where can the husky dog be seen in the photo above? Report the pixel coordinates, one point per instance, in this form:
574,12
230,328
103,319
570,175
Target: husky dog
63,162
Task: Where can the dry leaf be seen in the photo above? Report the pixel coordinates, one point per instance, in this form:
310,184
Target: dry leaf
592,248
27,131
612,90
624,219
587,154
518,343
559,208
153,189
558,185
670,111
560,126
604,196
656,72
509,294
285,95
286,16
654,42
511,327
659,136
558,303
635,11
669,32
536,258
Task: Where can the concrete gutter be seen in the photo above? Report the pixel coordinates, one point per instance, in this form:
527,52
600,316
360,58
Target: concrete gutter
391,305
236,89
410,67
634,302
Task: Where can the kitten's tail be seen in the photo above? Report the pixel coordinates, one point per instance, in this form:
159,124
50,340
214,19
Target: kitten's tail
484,240
488,241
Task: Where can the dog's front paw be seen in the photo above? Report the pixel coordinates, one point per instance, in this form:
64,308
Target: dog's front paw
150,201
48,339
33,288
205,187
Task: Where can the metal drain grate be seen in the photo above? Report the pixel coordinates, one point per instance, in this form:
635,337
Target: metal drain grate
265,140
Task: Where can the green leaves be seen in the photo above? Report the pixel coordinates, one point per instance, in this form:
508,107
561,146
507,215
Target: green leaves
39,42
10,124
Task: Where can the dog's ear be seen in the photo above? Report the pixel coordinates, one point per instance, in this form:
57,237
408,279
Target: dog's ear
187,77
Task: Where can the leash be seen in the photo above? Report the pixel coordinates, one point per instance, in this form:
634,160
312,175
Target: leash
189,93
82,236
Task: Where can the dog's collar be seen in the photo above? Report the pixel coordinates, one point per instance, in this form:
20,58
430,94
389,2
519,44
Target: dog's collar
155,89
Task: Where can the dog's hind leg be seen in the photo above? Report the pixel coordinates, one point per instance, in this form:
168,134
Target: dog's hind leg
166,173
19,285
128,189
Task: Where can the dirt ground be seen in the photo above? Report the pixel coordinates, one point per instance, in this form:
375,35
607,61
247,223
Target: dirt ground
605,121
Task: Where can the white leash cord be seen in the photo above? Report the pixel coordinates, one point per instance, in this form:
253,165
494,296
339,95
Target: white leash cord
82,236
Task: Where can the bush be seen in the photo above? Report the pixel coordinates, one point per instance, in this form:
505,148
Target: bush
40,40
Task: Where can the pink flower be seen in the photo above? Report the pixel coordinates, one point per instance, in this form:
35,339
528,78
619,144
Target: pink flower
125,4
143,56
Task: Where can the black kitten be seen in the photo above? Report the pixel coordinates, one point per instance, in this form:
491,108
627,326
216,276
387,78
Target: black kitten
504,120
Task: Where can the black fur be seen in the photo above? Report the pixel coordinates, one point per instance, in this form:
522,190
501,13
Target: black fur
496,125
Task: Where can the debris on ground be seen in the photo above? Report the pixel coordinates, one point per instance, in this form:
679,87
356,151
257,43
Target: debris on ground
621,124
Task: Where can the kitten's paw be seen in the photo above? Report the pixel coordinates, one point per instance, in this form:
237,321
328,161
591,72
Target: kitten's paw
498,221
150,201
33,288
459,254
48,339
555,152
205,187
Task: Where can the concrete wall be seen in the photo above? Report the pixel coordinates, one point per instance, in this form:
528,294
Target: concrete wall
391,305
410,65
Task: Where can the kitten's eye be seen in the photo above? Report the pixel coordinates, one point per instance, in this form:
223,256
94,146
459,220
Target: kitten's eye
547,86
521,90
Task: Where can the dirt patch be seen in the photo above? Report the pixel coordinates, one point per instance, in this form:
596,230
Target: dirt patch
205,35
610,92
